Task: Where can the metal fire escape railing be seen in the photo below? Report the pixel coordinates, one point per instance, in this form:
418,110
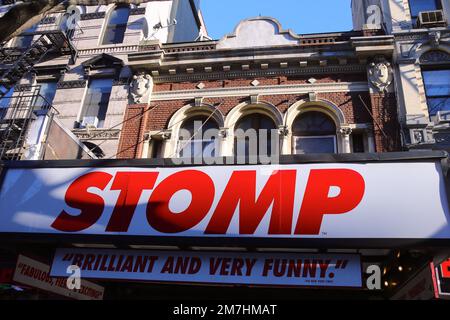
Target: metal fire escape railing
16,117
52,38
19,110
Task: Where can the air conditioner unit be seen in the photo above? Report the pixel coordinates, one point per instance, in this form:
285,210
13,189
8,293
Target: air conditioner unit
89,122
429,19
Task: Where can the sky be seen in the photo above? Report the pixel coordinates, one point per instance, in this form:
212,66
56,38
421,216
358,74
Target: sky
302,16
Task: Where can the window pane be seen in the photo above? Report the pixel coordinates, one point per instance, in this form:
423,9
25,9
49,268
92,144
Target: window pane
438,104
5,101
47,94
114,34
314,124
418,6
437,82
315,145
97,99
119,16
197,148
262,126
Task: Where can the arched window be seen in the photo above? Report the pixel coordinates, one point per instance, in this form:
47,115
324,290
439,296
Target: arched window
255,127
314,132
117,25
192,140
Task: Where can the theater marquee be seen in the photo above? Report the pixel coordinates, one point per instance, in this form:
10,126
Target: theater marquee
392,200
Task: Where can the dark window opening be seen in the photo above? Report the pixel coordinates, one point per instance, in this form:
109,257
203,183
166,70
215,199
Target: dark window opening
96,102
117,25
358,143
194,144
263,127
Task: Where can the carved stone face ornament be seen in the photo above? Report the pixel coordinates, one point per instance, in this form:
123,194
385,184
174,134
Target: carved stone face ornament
380,74
140,87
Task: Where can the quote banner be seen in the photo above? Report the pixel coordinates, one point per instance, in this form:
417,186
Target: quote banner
268,269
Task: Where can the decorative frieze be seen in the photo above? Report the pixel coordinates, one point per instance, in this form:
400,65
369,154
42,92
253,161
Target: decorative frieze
73,84
259,73
137,11
120,82
97,134
48,20
93,15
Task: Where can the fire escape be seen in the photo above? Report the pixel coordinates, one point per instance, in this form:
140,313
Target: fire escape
20,111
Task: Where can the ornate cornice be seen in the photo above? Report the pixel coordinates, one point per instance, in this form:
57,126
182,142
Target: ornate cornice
260,73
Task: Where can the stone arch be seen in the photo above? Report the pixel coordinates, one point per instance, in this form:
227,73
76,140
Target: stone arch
321,105
183,114
244,109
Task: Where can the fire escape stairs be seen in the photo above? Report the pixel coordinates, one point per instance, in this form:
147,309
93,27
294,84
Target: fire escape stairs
49,41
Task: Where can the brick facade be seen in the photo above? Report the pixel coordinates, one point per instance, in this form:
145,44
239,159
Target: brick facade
381,106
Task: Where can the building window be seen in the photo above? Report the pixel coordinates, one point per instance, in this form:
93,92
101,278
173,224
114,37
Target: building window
96,102
437,88
314,132
5,102
46,94
418,6
192,143
117,25
259,127
358,143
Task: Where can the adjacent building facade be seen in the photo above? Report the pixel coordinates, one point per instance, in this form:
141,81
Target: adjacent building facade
420,30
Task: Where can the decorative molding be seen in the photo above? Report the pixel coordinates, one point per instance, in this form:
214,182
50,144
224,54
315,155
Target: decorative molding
93,15
71,84
435,56
121,82
263,90
260,73
116,49
346,131
380,74
97,134
137,11
48,20
141,88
